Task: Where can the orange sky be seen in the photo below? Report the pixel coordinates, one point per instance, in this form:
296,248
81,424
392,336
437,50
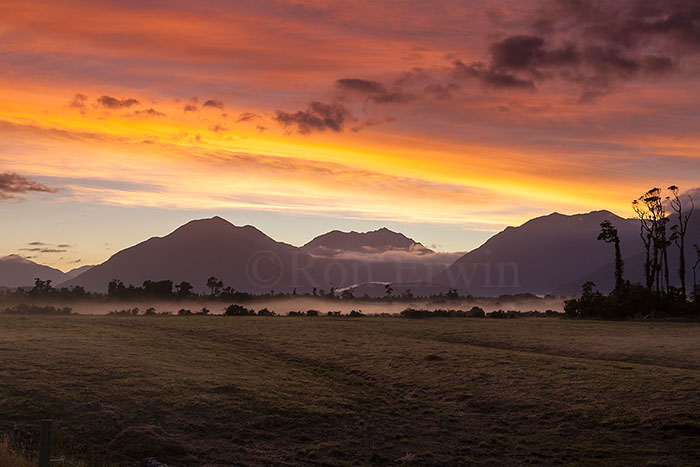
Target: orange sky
305,116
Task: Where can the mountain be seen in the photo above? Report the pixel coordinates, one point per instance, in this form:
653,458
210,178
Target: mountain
75,272
540,255
16,271
248,260
337,243
242,257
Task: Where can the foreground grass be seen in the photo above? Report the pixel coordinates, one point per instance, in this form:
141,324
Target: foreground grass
212,390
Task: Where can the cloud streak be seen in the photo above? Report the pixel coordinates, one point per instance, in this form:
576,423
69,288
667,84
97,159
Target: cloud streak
13,184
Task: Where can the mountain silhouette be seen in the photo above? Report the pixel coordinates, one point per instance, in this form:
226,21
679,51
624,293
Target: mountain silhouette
242,257
248,260
336,243
16,271
539,256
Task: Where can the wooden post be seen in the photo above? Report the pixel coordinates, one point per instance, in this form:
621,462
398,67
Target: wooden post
45,443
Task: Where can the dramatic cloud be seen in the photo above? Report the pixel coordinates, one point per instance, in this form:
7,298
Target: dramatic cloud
374,90
318,117
12,184
217,104
114,103
189,108
597,45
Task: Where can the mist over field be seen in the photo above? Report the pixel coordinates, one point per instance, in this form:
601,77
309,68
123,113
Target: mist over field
282,306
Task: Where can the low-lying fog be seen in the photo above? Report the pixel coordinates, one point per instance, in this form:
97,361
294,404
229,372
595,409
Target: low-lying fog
282,306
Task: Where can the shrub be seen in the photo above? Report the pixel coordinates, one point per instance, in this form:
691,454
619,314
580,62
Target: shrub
238,310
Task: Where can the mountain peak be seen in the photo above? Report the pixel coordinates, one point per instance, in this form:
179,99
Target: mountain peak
381,240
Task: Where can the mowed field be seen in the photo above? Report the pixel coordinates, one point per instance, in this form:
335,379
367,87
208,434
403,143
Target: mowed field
213,390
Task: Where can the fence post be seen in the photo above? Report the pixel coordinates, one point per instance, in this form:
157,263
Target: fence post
45,443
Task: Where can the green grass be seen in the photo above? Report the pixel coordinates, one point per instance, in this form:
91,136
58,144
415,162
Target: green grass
213,390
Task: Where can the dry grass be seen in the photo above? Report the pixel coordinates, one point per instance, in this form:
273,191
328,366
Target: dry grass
330,391
11,455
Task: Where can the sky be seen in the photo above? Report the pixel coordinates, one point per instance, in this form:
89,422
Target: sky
121,120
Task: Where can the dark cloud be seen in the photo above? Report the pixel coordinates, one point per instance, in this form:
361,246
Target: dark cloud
375,91
190,108
149,113
598,45
360,85
44,250
217,104
63,245
247,116
36,244
317,117
491,77
12,184
261,128
114,103
78,102
526,52
218,128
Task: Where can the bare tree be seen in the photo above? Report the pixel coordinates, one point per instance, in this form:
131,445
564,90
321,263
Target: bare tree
650,210
680,230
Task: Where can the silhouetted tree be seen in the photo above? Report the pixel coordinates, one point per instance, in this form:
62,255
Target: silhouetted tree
388,291
41,287
184,289
608,233
214,285
680,230
160,289
650,210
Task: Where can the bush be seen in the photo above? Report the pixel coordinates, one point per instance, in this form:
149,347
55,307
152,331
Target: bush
266,312
238,310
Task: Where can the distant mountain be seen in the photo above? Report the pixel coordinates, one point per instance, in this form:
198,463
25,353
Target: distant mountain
75,272
248,260
336,243
540,255
16,271
242,257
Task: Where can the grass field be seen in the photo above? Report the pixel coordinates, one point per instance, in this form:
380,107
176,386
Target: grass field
212,390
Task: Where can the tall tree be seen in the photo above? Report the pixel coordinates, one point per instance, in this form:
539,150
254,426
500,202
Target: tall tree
608,233
650,209
214,285
645,232
680,230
